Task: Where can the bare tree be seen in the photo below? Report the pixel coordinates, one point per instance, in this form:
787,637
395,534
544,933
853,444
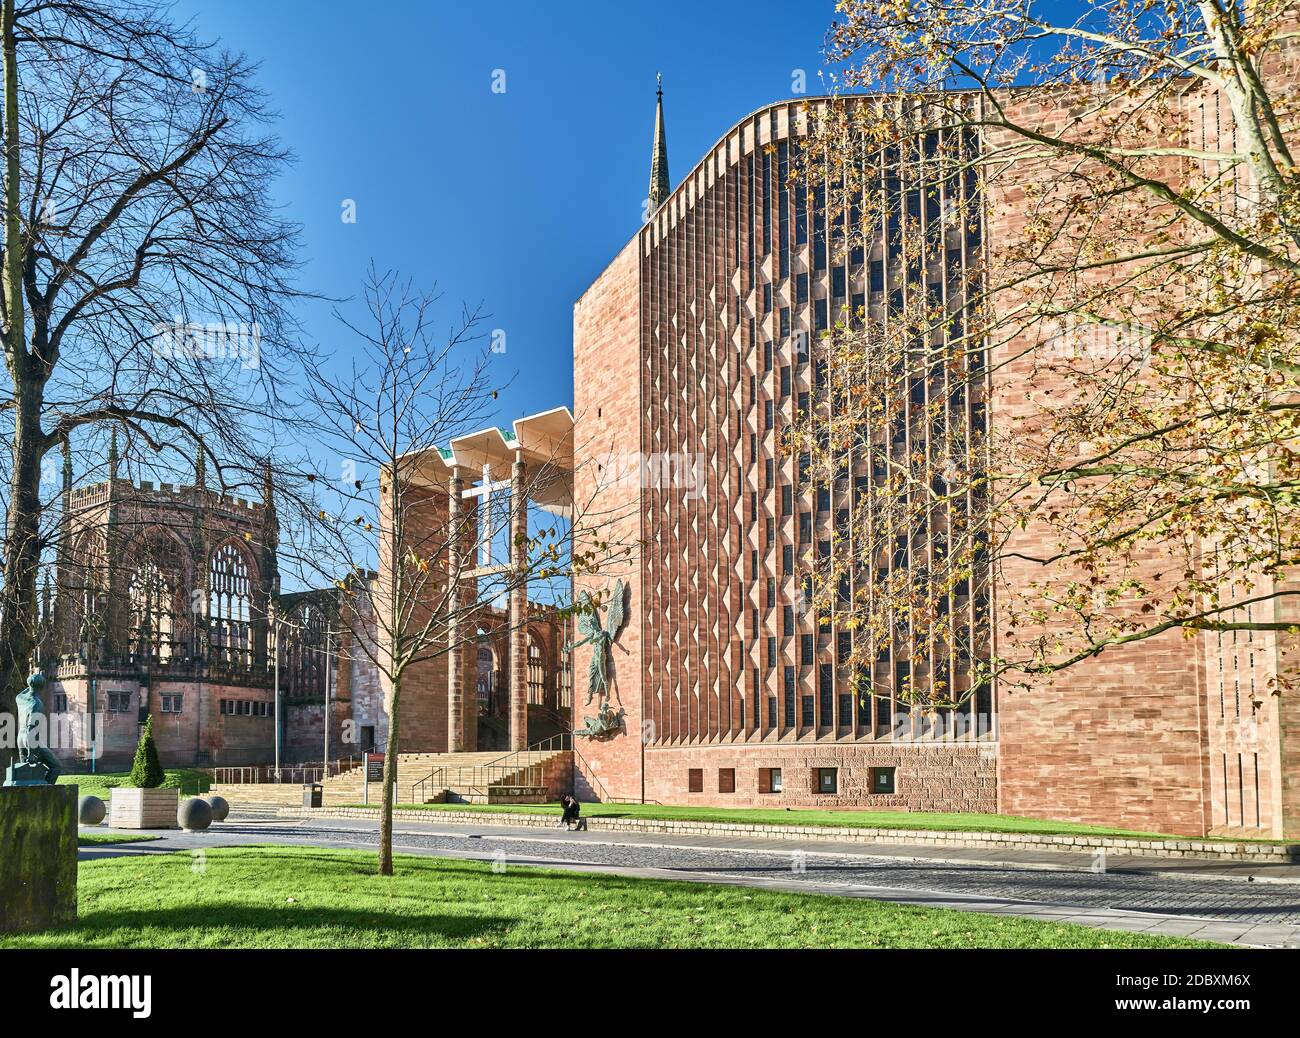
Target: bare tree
1121,356
145,273
409,390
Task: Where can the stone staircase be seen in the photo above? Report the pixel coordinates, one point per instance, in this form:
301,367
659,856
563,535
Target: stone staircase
526,777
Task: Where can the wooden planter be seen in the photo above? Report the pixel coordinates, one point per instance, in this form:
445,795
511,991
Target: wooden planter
133,808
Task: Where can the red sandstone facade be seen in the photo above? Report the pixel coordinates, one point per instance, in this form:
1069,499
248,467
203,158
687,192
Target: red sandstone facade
691,352
1170,734
688,344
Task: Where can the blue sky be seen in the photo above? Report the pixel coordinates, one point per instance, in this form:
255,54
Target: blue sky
516,199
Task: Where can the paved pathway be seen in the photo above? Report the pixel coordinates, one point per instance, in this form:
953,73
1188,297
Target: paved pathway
1255,905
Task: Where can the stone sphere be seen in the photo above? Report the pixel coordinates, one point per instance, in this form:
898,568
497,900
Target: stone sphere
90,810
219,807
194,814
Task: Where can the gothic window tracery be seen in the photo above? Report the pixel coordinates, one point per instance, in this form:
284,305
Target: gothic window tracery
86,590
229,608
302,661
152,589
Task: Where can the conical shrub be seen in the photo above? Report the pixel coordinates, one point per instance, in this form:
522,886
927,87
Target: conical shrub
146,770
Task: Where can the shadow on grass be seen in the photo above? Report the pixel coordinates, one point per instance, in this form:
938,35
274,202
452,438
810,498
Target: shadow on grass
284,924
271,870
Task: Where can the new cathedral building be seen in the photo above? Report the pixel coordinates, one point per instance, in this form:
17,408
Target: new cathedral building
691,343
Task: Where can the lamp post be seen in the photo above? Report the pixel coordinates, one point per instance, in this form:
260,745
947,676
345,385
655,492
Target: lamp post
329,677
276,625
94,704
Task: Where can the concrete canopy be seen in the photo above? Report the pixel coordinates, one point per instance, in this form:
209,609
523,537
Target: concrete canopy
543,442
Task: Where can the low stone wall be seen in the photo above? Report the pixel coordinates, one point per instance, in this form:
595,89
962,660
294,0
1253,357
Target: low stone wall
1210,850
518,795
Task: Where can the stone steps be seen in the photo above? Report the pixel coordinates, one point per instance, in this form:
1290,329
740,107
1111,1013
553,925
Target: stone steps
460,780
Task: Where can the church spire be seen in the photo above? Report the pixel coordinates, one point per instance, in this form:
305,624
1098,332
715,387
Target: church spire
659,154
112,454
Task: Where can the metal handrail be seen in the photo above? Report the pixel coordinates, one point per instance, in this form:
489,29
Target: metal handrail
424,784
555,744
437,779
266,774
491,775
591,777
478,776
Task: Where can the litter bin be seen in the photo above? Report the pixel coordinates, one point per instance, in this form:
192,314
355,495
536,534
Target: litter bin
311,794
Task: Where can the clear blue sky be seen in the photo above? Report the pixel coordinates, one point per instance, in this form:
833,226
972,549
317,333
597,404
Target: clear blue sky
517,199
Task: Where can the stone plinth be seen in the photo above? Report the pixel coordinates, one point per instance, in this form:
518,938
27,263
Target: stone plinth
38,857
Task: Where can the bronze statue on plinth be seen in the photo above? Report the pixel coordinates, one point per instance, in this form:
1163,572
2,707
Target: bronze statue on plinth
36,764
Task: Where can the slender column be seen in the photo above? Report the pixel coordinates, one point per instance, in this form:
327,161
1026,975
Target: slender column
455,658
518,608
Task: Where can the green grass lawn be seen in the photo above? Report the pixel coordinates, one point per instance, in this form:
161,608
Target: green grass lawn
90,839
936,821
187,780
299,897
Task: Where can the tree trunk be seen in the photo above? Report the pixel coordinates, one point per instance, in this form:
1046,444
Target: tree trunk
390,777
22,544
22,548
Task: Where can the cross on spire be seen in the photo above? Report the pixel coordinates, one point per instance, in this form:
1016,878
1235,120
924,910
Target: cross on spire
659,183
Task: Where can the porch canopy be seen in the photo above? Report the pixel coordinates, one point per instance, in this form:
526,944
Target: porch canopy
543,442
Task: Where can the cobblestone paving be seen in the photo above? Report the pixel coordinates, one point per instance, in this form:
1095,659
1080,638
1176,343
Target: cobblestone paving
1205,899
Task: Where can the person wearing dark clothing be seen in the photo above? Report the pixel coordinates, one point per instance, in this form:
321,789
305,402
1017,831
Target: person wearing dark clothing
571,810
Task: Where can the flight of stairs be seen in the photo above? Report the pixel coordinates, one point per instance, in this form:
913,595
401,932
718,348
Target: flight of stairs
458,784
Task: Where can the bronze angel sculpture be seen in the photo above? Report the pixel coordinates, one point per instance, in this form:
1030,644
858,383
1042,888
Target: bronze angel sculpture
599,637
